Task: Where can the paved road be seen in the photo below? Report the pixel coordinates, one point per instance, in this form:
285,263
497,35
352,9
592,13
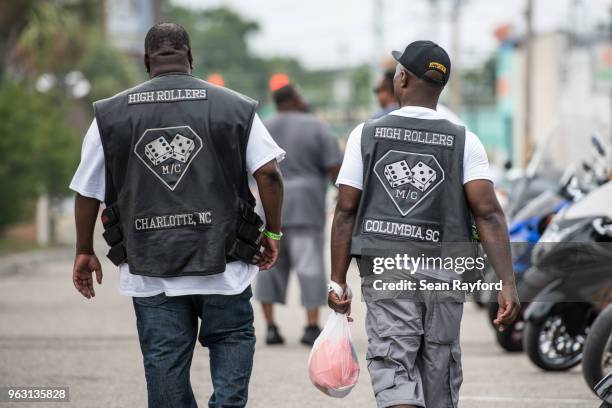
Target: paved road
49,335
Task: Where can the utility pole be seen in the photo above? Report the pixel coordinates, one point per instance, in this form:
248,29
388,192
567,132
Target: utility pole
610,85
379,40
456,100
434,17
527,137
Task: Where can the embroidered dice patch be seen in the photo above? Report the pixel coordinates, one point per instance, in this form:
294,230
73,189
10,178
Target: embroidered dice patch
408,178
158,151
182,147
423,176
168,152
398,173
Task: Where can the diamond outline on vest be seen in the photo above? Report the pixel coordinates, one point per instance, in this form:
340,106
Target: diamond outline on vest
401,171
154,140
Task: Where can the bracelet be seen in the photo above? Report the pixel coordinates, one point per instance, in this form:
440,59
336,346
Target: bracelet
273,235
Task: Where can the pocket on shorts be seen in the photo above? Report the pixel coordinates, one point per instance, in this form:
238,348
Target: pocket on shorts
151,301
444,322
381,368
455,373
395,318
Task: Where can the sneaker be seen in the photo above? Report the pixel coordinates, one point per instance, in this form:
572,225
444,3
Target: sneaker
310,335
273,336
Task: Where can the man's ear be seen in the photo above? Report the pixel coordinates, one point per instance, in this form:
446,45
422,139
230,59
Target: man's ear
190,59
404,79
147,63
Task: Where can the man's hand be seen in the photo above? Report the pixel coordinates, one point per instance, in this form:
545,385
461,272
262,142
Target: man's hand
270,185
493,231
509,306
269,255
342,228
84,266
340,305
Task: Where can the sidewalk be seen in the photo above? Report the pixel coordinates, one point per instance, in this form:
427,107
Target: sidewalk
28,260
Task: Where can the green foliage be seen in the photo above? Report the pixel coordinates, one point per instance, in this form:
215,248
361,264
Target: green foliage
13,15
479,84
50,42
106,68
59,37
219,40
361,84
38,131
39,151
219,43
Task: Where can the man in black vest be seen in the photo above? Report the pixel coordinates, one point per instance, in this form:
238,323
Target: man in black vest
410,185
170,159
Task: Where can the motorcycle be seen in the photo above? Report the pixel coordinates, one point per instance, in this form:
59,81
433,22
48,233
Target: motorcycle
571,272
597,356
525,232
603,390
529,223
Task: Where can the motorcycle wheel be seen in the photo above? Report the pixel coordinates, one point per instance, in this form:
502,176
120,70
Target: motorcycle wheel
492,313
549,346
511,339
597,358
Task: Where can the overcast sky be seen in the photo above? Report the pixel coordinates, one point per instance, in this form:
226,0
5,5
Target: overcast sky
331,33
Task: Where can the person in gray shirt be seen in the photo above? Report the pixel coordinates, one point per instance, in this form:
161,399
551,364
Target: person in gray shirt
312,158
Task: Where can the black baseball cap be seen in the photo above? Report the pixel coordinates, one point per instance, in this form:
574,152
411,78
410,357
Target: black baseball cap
422,56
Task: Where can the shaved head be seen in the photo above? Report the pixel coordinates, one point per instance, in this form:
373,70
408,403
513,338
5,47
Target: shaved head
166,36
167,49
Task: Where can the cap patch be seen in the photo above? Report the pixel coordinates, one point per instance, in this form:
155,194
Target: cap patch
438,66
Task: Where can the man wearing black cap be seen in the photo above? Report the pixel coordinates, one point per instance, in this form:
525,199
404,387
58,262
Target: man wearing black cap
411,185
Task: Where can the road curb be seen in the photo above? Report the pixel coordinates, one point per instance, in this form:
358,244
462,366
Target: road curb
15,263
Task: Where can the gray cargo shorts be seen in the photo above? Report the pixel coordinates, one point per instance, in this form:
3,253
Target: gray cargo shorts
413,353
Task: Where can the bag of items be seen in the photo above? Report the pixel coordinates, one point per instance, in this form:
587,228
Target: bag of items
333,366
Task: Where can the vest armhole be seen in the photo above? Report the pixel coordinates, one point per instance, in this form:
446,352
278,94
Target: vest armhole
249,195
110,193
247,133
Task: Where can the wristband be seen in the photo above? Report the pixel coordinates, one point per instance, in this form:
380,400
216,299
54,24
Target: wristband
335,287
272,235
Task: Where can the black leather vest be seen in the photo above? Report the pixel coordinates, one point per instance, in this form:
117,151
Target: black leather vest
413,198
175,153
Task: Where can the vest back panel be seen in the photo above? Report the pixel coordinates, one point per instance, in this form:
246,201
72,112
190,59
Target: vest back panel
413,198
175,154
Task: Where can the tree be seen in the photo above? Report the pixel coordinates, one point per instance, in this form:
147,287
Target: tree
39,150
479,84
39,134
106,68
219,42
13,18
50,42
219,39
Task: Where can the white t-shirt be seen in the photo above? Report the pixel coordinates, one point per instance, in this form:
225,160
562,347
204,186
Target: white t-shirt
475,161
89,181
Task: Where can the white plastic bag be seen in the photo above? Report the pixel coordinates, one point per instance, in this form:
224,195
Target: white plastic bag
333,366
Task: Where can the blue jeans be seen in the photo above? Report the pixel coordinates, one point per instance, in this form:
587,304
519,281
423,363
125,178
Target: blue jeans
168,328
